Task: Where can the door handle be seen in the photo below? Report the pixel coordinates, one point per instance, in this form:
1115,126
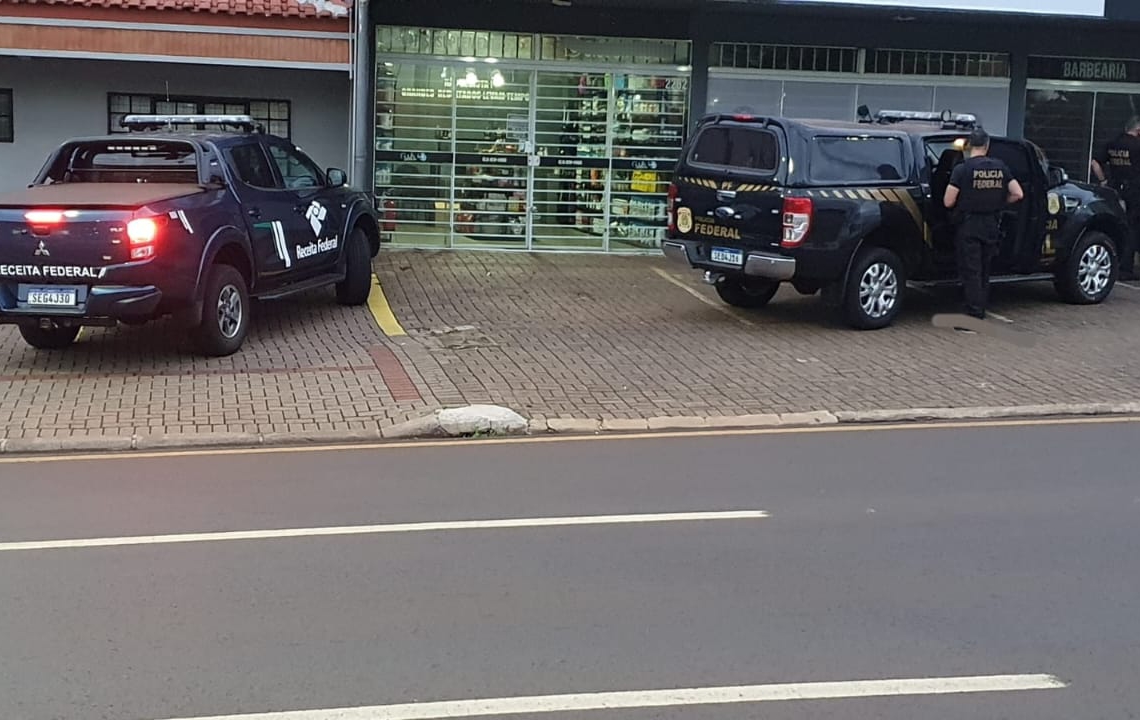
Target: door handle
299,209
254,213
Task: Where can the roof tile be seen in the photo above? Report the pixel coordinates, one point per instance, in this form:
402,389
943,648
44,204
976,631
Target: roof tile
264,8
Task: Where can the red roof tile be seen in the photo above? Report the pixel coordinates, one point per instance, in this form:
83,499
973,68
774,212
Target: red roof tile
263,8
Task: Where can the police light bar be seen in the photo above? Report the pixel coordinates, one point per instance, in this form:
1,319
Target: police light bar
947,118
152,122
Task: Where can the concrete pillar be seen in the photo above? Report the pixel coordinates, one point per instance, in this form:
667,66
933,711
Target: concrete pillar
362,113
1018,80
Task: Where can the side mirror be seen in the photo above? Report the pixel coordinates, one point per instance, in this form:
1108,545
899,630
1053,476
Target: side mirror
337,177
1057,176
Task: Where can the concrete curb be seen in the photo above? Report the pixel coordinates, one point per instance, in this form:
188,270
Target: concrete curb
495,421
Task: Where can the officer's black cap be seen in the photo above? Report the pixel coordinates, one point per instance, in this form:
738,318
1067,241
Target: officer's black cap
979,138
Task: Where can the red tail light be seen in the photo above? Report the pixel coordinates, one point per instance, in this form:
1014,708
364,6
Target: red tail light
671,207
143,232
44,217
797,221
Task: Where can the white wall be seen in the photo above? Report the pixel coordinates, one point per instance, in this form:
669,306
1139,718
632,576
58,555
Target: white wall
58,99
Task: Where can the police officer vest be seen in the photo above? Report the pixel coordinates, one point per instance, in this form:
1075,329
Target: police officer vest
983,185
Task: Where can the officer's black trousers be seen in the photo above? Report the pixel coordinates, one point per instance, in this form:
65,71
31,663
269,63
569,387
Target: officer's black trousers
977,245
1132,238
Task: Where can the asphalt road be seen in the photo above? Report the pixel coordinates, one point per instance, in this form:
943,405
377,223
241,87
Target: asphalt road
904,554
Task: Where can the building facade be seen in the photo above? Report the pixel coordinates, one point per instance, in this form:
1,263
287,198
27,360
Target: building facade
519,124
77,68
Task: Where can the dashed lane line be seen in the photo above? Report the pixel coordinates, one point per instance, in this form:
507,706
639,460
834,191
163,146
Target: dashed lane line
744,694
381,529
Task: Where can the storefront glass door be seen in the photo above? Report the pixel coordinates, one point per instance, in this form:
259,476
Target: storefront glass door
498,155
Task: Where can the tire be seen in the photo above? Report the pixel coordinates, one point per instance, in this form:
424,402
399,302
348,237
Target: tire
1089,274
357,283
746,292
225,313
874,293
53,338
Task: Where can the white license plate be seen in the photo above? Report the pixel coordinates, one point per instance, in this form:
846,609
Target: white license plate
52,298
728,256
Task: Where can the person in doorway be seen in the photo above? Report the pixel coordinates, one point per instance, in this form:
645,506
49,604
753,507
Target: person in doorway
1118,165
980,187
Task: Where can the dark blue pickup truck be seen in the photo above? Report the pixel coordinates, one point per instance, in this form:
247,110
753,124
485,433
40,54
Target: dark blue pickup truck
165,221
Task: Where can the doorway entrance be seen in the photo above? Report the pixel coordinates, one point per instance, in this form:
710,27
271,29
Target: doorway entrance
502,154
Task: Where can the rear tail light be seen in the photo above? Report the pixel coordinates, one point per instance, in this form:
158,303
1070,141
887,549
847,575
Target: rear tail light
671,207
142,232
42,221
44,217
797,221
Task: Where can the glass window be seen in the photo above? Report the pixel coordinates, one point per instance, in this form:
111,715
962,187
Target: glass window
273,115
1060,122
819,100
747,96
750,149
252,166
856,159
297,171
7,129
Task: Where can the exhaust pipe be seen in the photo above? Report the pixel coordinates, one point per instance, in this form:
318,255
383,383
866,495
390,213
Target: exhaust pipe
712,278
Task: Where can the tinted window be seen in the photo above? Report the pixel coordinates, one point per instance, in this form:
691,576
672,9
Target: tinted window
737,147
856,159
297,170
252,167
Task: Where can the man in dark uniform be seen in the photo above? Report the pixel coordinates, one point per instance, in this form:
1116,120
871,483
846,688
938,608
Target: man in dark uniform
980,188
1118,165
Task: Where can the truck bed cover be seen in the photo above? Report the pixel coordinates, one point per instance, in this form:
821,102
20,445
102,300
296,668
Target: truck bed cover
103,195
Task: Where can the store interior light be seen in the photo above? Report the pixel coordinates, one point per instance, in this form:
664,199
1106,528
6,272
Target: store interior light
469,58
497,79
491,60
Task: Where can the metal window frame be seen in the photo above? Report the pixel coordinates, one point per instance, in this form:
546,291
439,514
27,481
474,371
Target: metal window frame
10,115
200,101
535,67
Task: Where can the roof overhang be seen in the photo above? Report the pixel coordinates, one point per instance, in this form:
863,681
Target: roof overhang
284,45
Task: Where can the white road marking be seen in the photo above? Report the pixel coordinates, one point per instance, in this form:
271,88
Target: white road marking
382,529
1130,287
666,698
1003,318
719,308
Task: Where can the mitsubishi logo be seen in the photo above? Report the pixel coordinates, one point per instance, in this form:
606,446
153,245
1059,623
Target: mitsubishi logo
42,250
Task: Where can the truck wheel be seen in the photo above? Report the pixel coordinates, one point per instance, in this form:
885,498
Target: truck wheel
874,293
53,338
225,313
1089,274
357,283
746,292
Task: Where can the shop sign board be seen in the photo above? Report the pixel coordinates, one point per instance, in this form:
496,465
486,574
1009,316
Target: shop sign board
1083,8
1084,69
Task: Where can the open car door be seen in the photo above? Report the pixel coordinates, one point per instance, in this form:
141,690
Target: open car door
1023,224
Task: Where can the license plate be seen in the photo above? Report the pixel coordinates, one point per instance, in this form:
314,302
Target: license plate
728,256
44,297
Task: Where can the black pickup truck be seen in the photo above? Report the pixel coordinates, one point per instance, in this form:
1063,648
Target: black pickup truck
855,210
186,223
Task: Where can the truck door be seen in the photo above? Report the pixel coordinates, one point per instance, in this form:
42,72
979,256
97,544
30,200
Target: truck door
318,217
266,208
1023,224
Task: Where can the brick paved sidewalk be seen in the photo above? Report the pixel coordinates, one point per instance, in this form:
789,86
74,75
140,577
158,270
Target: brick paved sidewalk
611,337
558,336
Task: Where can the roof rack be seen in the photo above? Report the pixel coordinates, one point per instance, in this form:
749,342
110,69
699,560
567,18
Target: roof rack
947,119
159,122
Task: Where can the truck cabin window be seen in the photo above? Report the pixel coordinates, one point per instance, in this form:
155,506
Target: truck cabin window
125,161
856,160
749,149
